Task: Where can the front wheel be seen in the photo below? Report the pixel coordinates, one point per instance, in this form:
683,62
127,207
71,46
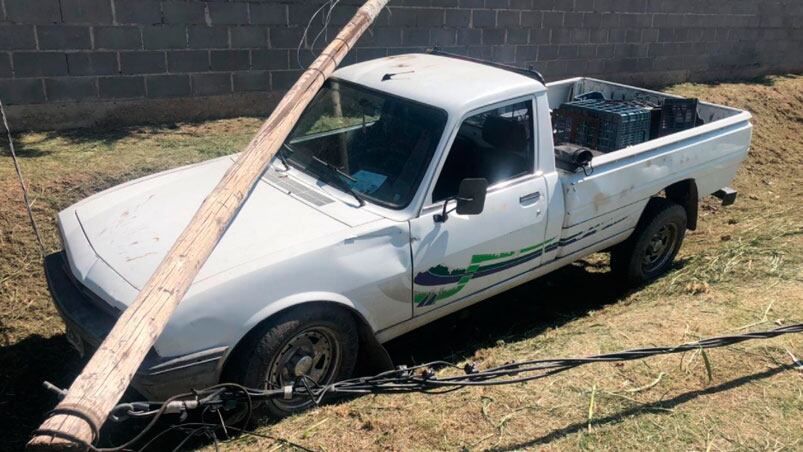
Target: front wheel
317,342
650,250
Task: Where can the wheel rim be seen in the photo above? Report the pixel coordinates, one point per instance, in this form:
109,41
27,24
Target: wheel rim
659,248
314,353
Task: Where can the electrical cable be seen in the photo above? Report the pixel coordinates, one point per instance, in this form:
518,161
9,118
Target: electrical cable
419,378
39,241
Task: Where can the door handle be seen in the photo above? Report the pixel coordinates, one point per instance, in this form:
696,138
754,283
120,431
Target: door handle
530,198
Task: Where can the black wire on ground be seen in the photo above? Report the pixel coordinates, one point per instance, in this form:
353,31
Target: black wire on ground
420,378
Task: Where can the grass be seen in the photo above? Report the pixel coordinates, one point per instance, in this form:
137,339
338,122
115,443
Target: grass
742,269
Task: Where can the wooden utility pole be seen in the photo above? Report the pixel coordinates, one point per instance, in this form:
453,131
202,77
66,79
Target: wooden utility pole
95,392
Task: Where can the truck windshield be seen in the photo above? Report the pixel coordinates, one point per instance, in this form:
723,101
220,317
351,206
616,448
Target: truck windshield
376,145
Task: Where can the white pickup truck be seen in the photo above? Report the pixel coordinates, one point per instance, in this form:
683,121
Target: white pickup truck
412,186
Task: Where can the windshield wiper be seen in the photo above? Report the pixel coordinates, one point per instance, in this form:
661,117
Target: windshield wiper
283,157
343,184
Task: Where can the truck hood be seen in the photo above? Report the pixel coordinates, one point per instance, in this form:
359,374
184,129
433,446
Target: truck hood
131,227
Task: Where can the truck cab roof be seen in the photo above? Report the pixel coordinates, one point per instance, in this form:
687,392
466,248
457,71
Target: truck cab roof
452,84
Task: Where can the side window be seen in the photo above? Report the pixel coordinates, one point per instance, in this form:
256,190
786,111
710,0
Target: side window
496,145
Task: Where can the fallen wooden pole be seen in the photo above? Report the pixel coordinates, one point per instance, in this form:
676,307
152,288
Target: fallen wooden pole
76,420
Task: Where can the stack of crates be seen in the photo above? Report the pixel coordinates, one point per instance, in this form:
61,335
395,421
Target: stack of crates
604,125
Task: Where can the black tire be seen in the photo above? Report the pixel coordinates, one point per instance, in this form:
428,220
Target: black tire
651,249
271,348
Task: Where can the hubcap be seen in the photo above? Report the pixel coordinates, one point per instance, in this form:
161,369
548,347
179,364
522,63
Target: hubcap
313,353
659,248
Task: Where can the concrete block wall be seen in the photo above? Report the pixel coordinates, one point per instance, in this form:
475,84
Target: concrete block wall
67,63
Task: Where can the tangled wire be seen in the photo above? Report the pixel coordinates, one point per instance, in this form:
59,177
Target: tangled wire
230,397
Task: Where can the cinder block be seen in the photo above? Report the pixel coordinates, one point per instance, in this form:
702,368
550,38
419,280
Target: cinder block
228,13
268,13
540,36
525,54
299,13
164,37
67,89
567,52
592,20
86,11
635,20
188,61
531,18
17,37
553,19
117,38
5,65
415,37
168,86
471,3
92,63
583,5
203,37
544,5
521,4
270,59
142,62
370,54
504,54
283,80
469,36
496,4
440,37
493,36
387,37
251,81
33,11
457,17
178,12
402,17
573,19
507,18
211,84
547,52
52,37
121,87
17,91
285,38
587,51
37,64
516,36
229,60
143,12
483,18
429,17
248,37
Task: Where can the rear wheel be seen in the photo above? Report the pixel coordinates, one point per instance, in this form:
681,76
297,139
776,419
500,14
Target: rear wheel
316,342
651,249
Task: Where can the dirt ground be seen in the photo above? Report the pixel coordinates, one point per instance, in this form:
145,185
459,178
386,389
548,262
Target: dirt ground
741,270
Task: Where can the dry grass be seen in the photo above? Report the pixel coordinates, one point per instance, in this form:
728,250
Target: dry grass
740,270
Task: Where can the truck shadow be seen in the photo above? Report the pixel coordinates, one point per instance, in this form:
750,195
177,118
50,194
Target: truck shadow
23,401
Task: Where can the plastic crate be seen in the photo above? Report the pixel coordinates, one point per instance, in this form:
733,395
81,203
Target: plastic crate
604,125
677,115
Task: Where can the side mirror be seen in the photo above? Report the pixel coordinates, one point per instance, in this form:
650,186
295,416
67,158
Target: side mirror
470,198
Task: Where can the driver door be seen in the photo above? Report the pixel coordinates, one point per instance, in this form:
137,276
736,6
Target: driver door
459,258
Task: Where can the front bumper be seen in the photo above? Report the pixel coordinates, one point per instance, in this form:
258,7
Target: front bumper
89,319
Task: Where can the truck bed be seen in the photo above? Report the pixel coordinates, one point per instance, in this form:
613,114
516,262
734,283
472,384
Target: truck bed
607,199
